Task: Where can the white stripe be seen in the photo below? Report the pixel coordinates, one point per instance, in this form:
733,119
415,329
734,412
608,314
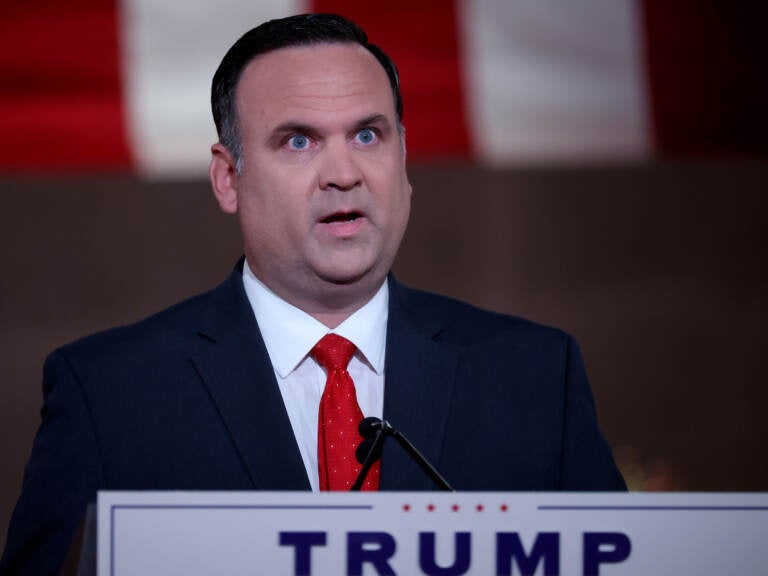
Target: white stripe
170,51
555,80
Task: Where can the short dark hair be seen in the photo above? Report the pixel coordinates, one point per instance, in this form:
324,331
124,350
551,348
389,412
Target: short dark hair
299,30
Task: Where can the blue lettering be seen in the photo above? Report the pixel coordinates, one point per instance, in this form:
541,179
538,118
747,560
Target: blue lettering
461,556
358,554
545,548
303,542
595,552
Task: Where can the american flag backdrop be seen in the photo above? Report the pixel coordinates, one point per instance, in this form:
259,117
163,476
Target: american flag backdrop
123,85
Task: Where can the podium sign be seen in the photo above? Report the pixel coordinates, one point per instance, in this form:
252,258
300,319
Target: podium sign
407,533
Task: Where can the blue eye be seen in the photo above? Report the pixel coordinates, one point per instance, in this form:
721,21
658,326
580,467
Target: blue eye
298,142
366,136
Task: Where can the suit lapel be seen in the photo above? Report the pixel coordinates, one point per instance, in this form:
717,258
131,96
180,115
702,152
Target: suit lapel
233,362
419,379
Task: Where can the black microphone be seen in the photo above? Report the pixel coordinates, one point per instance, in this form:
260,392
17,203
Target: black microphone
374,430
369,426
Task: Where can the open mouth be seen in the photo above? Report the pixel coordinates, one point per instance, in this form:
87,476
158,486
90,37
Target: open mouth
341,217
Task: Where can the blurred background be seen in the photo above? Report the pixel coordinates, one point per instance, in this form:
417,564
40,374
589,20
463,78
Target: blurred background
597,165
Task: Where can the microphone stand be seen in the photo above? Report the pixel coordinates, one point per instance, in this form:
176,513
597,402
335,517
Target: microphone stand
385,429
423,462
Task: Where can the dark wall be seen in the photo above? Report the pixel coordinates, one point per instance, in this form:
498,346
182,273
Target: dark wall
660,274
658,271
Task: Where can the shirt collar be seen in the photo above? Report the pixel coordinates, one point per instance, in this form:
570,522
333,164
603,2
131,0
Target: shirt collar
289,333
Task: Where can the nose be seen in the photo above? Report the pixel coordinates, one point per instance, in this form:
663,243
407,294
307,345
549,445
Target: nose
339,169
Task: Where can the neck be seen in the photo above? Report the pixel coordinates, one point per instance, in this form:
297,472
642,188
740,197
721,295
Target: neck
334,305
331,319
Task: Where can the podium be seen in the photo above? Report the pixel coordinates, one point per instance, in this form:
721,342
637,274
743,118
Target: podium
409,533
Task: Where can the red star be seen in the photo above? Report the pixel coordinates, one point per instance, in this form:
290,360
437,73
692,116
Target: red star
406,507
455,507
504,507
431,507
479,507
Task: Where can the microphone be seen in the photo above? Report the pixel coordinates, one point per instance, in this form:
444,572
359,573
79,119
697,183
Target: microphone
369,426
374,430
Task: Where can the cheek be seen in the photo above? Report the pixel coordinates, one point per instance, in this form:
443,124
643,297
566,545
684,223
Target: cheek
399,198
388,178
277,191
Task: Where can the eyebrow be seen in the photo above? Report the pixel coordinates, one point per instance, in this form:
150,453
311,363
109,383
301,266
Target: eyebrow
288,128
373,119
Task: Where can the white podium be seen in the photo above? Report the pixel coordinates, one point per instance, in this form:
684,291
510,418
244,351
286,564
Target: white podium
407,533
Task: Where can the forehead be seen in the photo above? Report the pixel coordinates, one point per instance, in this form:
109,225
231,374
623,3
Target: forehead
315,79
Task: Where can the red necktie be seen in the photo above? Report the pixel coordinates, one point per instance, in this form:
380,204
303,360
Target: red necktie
339,417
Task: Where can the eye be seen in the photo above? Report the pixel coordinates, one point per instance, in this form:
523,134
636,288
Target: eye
298,142
366,136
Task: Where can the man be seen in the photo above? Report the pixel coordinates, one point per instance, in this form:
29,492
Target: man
227,391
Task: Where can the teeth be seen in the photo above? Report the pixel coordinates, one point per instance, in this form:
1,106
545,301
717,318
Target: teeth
341,218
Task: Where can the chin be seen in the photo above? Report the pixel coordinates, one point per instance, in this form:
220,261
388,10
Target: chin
348,276
344,279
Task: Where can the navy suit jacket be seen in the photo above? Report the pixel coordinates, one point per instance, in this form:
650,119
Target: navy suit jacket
187,400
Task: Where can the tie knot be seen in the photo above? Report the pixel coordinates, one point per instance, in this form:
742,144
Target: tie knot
333,352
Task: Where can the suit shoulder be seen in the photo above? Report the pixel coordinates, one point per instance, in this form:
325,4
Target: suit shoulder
465,324
157,333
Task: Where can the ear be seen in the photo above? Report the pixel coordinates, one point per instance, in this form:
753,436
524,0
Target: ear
224,179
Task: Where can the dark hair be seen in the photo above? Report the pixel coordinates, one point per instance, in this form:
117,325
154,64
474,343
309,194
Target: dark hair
299,30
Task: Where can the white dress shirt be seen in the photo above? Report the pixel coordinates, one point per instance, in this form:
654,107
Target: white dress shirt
290,334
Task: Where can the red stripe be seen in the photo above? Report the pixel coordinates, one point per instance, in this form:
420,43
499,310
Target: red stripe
423,40
708,78
61,105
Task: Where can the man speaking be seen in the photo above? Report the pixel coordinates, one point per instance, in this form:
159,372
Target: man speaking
260,384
